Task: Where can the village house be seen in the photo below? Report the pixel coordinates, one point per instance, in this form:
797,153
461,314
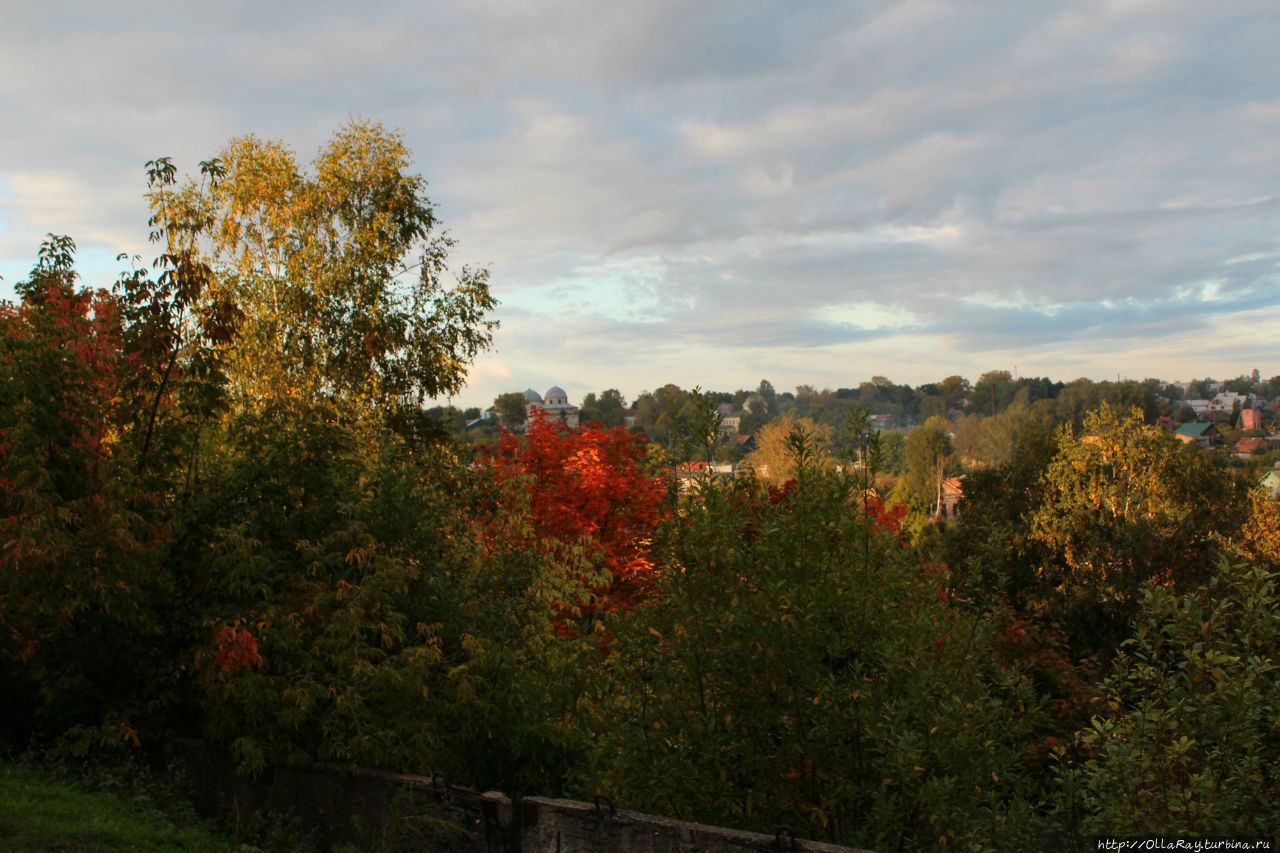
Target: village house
949,496
1227,400
1203,434
1271,482
1246,447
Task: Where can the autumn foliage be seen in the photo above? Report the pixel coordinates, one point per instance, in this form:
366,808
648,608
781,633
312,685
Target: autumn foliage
237,649
587,489
62,349
223,514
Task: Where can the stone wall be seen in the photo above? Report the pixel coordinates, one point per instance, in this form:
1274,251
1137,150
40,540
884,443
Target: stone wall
325,806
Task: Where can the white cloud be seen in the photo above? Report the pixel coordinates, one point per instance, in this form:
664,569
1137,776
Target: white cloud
681,192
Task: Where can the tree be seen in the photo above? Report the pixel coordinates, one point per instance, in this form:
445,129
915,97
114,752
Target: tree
69,550
930,460
931,406
1202,389
956,389
769,395
992,393
990,553
1189,745
983,441
339,272
893,450
613,408
799,666
1125,505
1244,384
607,410
101,401
590,502
773,458
510,409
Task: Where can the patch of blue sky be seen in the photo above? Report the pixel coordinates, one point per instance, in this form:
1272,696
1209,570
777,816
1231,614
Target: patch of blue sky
616,292
98,268
646,127
868,316
1010,301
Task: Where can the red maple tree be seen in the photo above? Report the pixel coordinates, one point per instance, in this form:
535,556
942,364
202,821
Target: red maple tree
589,488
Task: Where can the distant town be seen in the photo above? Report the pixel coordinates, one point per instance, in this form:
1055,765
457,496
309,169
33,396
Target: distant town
1240,416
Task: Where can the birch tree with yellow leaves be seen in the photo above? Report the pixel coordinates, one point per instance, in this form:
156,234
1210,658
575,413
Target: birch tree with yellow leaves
341,271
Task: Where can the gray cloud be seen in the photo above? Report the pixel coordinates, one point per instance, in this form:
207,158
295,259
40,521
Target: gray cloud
723,188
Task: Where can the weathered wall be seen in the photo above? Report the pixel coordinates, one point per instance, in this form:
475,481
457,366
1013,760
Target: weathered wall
568,826
366,808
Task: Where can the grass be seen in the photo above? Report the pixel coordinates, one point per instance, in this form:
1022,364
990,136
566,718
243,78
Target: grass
39,815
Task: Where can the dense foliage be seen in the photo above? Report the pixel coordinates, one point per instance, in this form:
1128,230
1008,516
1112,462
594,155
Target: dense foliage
802,666
225,513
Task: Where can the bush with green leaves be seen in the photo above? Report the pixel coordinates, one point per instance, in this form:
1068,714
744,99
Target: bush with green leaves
358,614
801,666
1192,742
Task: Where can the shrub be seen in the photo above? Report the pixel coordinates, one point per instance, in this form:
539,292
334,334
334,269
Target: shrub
1191,743
799,665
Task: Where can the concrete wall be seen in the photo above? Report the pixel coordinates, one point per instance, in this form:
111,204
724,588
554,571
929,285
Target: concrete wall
568,826
326,807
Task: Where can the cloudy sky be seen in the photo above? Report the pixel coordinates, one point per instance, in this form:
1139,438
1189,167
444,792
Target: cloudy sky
711,193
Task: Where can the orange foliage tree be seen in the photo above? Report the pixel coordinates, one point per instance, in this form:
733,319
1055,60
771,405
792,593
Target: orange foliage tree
583,492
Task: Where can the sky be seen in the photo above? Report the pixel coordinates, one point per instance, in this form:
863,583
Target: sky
717,192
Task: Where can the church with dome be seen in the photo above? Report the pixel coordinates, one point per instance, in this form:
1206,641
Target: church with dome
554,406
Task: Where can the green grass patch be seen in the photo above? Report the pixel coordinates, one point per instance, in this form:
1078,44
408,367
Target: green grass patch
39,815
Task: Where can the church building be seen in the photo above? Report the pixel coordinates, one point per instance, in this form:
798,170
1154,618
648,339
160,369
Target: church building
555,406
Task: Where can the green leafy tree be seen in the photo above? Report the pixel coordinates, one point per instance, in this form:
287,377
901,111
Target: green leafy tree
801,667
893,446
992,393
930,460
1202,389
1189,745
103,398
956,389
608,409
1244,384
769,396
990,551
357,613
1124,505
983,441
510,409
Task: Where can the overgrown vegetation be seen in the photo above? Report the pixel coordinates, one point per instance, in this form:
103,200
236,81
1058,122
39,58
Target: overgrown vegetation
225,514
41,812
